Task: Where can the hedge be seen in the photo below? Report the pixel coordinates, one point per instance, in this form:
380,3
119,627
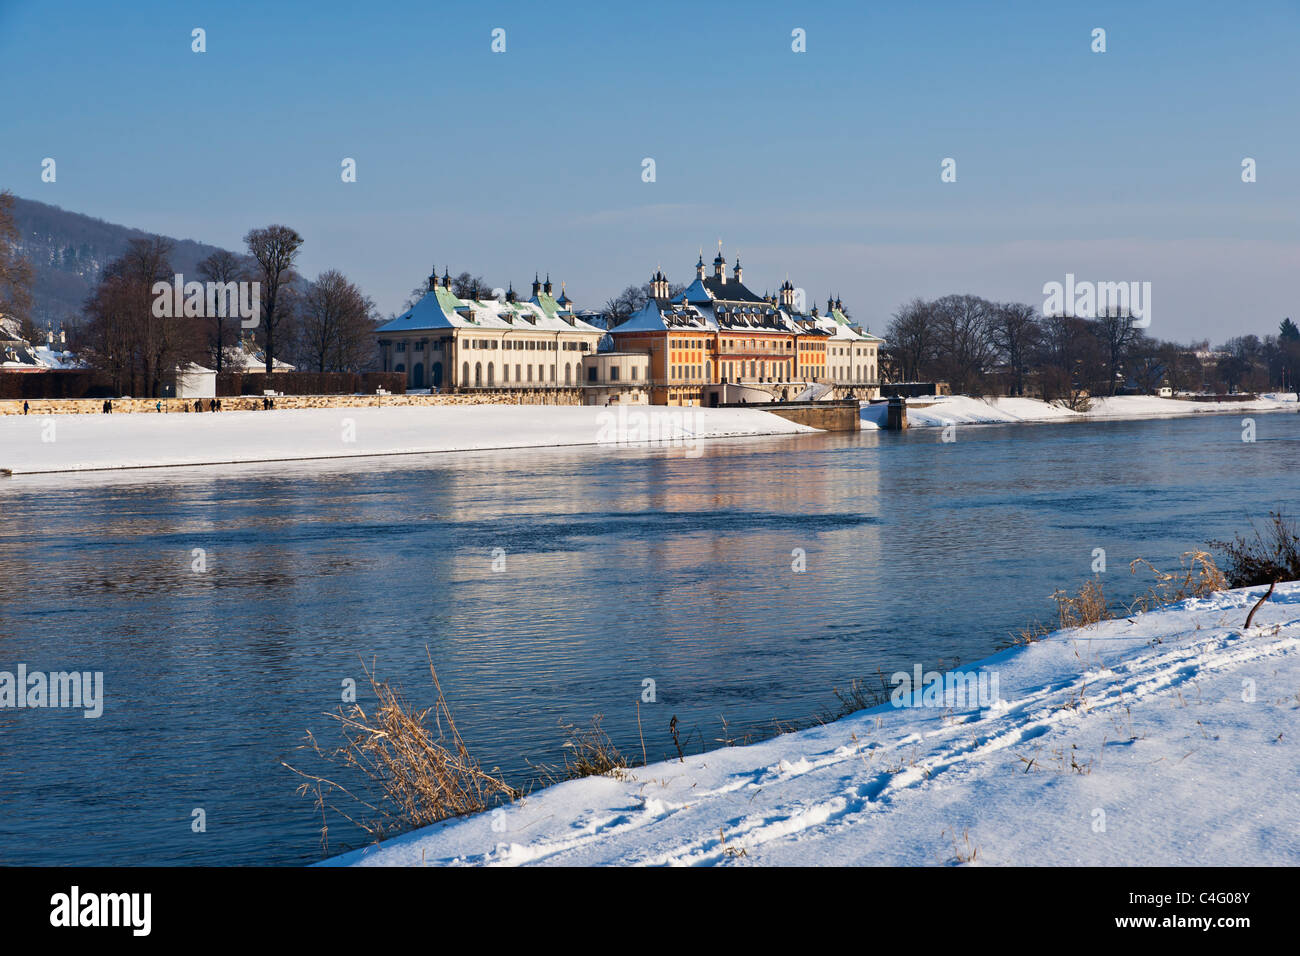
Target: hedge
310,383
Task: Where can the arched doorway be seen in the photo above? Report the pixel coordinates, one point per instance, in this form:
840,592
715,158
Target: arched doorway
491,381
417,375
436,377
464,374
478,374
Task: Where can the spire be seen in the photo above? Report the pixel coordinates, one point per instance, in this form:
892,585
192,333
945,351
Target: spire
433,279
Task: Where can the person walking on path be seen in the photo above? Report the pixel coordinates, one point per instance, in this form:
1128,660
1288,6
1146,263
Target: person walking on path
25,406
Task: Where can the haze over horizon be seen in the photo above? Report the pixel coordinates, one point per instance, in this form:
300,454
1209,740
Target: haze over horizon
823,165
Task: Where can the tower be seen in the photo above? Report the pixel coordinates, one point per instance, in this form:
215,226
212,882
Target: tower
787,294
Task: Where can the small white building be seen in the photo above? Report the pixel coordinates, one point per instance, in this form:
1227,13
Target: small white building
195,381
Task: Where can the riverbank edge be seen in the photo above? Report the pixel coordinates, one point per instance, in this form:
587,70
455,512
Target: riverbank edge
1168,625
926,416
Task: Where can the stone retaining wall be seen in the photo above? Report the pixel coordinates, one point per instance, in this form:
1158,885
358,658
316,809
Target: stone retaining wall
235,403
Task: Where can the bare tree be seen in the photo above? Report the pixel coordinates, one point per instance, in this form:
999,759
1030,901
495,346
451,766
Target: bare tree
466,286
1116,333
15,271
336,325
223,267
911,340
1016,333
1070,362
963,326
275,249
127,339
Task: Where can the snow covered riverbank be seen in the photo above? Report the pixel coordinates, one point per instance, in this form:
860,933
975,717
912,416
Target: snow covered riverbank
32,444
1168,738
964,410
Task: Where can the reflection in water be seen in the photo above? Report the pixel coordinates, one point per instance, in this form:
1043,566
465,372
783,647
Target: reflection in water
620,565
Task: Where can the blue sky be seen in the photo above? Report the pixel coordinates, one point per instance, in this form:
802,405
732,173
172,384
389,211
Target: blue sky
824,165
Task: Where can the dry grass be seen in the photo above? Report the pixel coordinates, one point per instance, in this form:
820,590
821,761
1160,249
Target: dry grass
1198,576
1087,607
588,752
416,775
860,696
965,851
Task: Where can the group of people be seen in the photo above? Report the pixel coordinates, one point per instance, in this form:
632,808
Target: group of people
214,405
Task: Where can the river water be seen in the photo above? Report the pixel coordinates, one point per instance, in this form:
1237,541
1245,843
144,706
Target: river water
227,607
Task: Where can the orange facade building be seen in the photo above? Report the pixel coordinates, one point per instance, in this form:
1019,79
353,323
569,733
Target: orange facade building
716,342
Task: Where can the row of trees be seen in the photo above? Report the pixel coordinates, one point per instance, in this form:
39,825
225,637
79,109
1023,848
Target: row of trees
324,325
983,347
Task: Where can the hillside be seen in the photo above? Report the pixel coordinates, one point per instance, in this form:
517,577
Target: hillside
68,251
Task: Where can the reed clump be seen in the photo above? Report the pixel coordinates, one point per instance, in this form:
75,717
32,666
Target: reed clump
588,752
1087,607
1197,576
416,774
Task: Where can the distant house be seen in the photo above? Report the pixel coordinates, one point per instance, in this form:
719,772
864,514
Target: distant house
19,355
247,357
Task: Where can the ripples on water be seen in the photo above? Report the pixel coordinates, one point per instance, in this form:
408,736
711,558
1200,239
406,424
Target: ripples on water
621,565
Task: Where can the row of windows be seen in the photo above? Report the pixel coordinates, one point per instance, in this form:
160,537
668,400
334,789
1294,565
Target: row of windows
862,373
613,373
485,375
727,342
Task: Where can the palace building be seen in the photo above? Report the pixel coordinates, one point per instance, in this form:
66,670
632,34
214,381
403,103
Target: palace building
447,342
717,342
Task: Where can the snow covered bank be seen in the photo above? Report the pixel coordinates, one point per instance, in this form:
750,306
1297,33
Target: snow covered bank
1168,738
32,444
964,410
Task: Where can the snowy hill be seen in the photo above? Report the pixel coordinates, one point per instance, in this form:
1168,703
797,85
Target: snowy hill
68,251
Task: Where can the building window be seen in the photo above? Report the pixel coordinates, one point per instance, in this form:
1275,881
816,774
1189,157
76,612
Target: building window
613,373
